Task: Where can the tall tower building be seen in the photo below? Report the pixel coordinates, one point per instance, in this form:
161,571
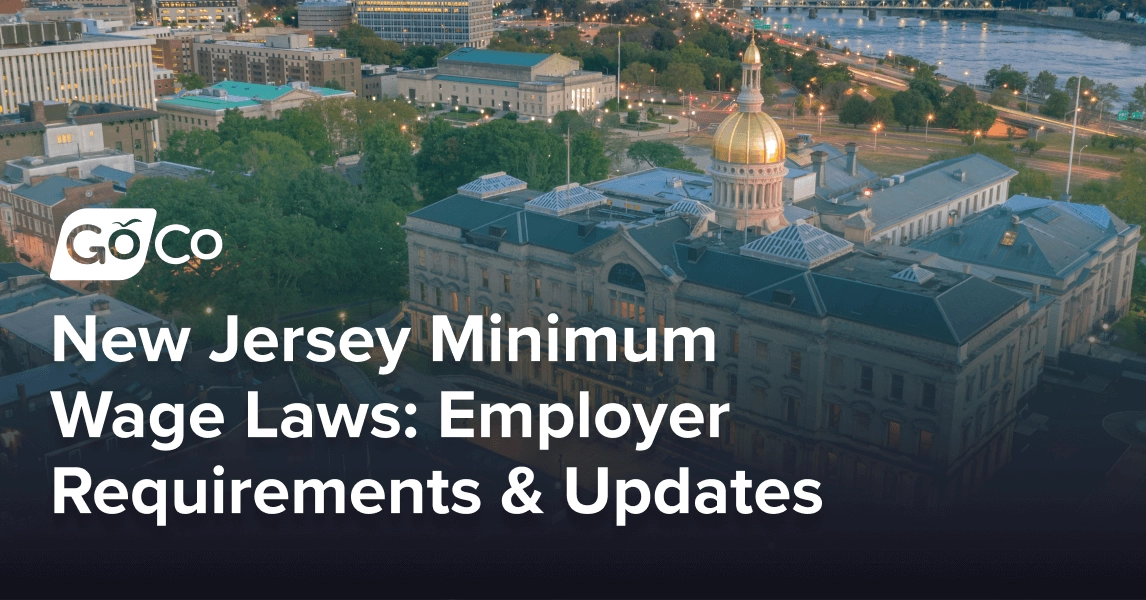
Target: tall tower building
748,159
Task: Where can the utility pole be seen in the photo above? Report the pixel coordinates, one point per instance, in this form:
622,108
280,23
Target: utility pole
568,155
618,71
1073,131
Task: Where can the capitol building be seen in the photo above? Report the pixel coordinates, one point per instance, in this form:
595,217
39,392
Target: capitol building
885,368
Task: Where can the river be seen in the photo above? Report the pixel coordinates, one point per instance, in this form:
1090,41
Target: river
966,50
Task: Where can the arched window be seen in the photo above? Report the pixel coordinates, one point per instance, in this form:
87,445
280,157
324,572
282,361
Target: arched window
625,275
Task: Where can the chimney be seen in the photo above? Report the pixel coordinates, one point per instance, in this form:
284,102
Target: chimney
22,392
966,269
820,162
853,165
1035,292
74,172
38,112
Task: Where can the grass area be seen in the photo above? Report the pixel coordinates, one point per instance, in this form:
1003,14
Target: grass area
888,164
640,127
1126,333
468,117
664,119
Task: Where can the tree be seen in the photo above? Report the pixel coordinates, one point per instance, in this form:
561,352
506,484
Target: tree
1057,104
1137,99
333,85
855,111
1045,83
1032,146
633,117
1007,77
927,84
655,154
684,164
683,76
389,172
1001,97
911,108
1031,182
963,111
191,81
769,88
639,74
881,110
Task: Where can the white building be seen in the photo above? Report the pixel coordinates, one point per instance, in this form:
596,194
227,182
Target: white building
532,85
76,67
465,23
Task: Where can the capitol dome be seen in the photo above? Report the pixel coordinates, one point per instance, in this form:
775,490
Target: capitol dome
749,138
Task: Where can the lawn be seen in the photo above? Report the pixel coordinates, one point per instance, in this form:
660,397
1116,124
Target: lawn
1126,334
886,164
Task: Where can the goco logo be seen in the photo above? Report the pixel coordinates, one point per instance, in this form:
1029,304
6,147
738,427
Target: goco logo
110,244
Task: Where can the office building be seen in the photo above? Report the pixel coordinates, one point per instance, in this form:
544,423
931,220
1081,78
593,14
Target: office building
277,61
463,23
325,17
532,85
193,13
173,53
205,109
56,62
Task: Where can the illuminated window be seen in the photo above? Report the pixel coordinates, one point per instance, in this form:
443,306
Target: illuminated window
1009,238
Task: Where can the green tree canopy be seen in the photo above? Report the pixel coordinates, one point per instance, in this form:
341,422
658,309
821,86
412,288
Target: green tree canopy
654,153
912,108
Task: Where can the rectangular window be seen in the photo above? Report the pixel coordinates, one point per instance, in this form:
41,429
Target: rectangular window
422,292
536,287
709,378
833,416
588,302
485,278
867,378
793,409
893,430
928,398
925,439
454,301
506,284
795,363
733,388
734,346
863,422
761,353
897,387
438,296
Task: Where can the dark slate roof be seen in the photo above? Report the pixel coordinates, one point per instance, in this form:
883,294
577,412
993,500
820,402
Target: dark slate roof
49,191
949,307
1050,239
119,177
536,229
464,212
730,272
15,269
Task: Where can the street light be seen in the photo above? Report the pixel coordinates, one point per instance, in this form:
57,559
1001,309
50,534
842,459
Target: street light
926,124
1038,131
821,122
976,138
1080,153
875,135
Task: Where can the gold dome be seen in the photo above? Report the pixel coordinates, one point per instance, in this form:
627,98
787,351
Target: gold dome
752,54
749,138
